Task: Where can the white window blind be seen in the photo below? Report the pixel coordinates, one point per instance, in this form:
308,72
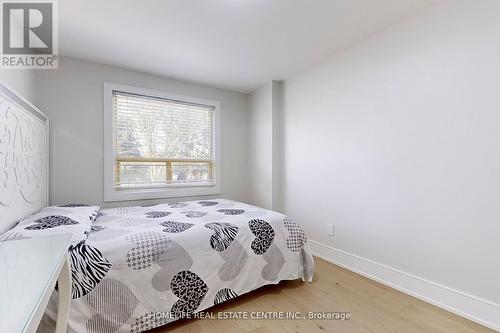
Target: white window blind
162,142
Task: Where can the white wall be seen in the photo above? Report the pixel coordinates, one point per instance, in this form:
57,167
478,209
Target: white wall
397,142
260,146
264,145
21,81
72,97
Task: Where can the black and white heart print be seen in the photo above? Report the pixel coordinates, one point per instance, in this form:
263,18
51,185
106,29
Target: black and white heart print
175,227
225,294
142,272
190,289
274,262
229,211
147,250
208,203
264,235
224,234
51,221
113,304
296,238
194,214
88,268
148,322
134,221
235,258
178,204
174,260
157,214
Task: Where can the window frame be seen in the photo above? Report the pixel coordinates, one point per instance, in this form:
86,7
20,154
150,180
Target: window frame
111,193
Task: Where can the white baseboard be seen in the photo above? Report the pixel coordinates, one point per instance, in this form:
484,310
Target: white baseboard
471,307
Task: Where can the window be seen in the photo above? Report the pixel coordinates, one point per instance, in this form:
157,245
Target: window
159,144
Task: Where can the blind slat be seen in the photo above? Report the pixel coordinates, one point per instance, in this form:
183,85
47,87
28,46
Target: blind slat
148,129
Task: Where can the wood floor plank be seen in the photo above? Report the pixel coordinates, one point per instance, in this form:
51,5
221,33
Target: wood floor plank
374,307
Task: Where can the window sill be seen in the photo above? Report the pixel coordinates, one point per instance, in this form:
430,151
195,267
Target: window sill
160,192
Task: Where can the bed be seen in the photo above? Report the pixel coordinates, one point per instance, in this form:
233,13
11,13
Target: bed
153,265
140,267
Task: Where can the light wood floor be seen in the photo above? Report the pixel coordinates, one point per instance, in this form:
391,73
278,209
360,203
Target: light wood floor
373,307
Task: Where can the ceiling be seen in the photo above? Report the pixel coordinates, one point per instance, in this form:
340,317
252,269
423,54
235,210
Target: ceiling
232,44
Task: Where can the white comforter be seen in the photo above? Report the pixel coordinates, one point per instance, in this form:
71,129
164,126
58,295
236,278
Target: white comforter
142,267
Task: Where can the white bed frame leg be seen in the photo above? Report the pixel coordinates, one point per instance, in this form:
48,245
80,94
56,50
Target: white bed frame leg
64,286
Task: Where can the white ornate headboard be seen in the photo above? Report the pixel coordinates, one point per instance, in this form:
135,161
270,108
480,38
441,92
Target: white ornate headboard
23,158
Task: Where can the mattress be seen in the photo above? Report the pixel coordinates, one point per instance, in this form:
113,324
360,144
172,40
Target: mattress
144,266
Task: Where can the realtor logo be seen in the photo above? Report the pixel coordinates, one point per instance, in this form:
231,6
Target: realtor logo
29,36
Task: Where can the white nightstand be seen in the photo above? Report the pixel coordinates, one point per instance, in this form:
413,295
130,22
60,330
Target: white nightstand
29,269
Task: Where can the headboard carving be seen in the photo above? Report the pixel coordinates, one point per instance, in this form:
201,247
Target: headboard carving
23,158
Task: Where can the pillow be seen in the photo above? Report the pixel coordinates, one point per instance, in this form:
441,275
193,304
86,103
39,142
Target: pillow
73,219
91,211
